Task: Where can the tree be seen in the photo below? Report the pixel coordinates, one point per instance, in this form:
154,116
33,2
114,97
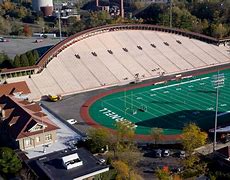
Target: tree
35,54
24,60
125,134
156,134
5,61
193,137
163,174
99,139
17,62
122,170
130,156
9,162
219,30
27,30
31,58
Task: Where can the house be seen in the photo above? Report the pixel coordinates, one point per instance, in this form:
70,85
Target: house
26,123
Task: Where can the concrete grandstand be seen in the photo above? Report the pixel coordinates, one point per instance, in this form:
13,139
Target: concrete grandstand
120,54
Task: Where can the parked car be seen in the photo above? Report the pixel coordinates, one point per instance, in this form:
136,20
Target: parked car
166,153
3,39
38,40
101,161
72,121
158,153
182,154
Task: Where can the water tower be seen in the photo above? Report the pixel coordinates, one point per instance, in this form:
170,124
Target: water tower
46,6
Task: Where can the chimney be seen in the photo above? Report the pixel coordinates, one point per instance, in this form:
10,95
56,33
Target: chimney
97,3
122,8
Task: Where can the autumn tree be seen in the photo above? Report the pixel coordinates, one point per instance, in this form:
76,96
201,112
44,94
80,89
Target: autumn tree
27,30
193,137
219,30
156,134
99,139
163,174
125,132
123,171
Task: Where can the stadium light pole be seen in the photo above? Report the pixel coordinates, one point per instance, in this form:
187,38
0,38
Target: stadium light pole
170,14
59,19
59,23
218,82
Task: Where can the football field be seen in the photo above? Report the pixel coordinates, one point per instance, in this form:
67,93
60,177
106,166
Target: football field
169,106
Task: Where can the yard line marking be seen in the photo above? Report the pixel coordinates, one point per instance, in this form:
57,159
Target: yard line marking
224,113
172,85
152,94
153,115
205,78
163,108
163,87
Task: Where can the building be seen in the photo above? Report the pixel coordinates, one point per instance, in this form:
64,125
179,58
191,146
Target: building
16,89
66,11
45,6
26,123
81,165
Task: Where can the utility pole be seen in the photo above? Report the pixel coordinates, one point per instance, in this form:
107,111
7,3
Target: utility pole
218,82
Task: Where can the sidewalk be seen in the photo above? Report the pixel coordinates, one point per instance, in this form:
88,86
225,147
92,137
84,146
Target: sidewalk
208,149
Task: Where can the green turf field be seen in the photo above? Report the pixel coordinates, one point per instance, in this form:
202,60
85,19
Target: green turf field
169,106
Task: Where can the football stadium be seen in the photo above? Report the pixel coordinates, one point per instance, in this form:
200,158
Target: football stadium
163,77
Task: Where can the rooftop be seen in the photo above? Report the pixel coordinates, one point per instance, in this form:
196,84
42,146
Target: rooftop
17,87
50,166
22,117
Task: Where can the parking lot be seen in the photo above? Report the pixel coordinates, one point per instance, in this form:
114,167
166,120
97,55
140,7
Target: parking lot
15,46
149,163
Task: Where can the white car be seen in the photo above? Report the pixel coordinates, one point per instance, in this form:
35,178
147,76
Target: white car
72,121
182,154
166,153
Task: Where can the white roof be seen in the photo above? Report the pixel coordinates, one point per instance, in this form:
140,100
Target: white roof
223,129
70,157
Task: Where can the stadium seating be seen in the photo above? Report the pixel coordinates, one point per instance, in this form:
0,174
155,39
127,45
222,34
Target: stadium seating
118,57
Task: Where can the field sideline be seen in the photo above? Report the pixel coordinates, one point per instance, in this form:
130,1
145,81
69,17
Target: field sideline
168,106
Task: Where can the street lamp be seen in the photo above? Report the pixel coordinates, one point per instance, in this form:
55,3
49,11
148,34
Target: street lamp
218,82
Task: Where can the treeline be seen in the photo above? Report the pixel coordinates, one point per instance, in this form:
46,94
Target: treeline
93,19
27,59
211,18
5,61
